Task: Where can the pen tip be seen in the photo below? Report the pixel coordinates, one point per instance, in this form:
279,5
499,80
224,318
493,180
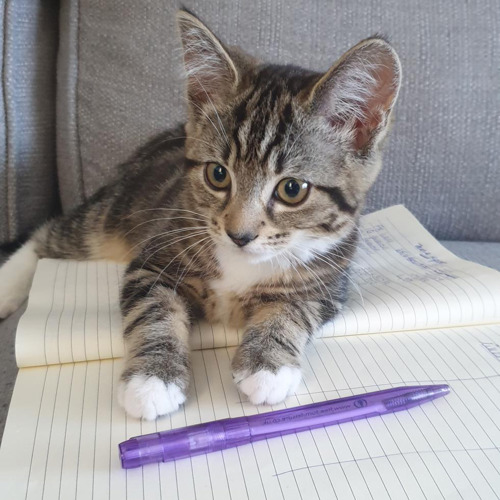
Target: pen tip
416,396
441,389
430,392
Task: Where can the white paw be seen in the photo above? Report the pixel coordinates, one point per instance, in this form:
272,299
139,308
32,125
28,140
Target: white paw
149,397
16,276
267,387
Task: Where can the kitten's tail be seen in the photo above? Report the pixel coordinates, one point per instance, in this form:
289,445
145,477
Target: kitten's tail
80,235
16,276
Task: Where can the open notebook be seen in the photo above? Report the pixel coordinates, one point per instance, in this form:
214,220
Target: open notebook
416,314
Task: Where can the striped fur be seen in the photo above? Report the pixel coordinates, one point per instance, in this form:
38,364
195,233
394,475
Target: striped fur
263,123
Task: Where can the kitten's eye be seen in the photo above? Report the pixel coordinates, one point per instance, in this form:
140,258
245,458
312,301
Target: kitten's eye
292,191
217,176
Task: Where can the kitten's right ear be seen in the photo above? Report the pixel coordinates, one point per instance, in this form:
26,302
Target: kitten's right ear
358,93
211,73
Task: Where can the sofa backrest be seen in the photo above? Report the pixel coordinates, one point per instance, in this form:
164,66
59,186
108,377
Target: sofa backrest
120,82
28,177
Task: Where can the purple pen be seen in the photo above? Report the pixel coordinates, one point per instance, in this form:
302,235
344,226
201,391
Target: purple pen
222,434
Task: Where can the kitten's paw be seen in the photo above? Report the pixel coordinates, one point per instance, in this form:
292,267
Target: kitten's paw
16,276
149,397
266,387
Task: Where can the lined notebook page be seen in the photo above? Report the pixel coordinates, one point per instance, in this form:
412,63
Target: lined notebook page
64,427
73,314
402,279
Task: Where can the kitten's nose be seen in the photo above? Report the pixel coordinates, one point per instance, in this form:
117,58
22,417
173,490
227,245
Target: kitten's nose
241,239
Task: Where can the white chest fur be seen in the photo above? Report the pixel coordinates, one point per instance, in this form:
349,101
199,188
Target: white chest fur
238,277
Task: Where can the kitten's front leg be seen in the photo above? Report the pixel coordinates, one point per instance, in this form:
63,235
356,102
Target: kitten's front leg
156,328
266,366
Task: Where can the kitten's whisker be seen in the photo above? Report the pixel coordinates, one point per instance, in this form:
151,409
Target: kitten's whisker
181,230
298,272
287,140
184,137
190,138
335,267
190,263
353,262
178,255
179,266
313,273
219,132
169,209
346,244
222,130
299,135
294,267
361,235
318,280
162,219
176,240
346,274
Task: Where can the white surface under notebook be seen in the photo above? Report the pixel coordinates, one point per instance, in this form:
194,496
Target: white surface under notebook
416,314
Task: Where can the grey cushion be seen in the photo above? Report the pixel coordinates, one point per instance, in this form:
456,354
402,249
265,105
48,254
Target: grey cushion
121,82
28,179
487,254
8,367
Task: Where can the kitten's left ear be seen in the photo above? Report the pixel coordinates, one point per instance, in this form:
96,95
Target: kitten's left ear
358,93
211,73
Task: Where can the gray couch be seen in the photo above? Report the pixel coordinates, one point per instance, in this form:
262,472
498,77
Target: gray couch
110,72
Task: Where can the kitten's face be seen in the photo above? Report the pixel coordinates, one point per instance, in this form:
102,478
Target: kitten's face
278,158
269,181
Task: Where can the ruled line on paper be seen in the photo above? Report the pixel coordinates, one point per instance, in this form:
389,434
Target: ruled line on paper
393,286
445,448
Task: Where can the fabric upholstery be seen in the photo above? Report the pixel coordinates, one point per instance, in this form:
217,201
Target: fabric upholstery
8,367
121,82
487,254
28,177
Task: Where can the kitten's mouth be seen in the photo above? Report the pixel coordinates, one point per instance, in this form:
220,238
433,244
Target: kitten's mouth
251,253
247,250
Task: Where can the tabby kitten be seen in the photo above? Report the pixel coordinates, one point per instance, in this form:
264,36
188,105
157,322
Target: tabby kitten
247,215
